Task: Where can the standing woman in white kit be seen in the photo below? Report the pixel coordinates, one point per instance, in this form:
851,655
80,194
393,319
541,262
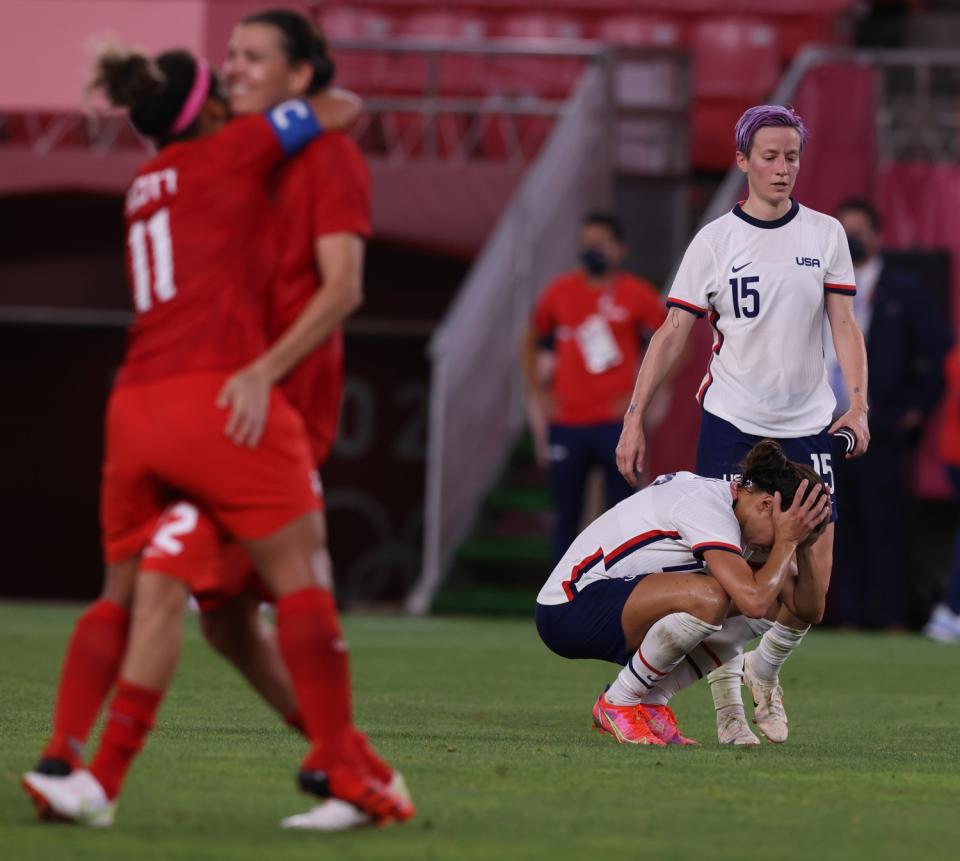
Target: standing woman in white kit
764,274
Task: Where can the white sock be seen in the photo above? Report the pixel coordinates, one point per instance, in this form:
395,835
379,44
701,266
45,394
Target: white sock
758,626
725,685
682,676
775,647
726,679
662,649
707,659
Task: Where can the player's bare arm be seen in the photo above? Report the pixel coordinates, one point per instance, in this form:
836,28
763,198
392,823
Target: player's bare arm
805,599
336,109
340,257
753,591
538,407
665,350
852,356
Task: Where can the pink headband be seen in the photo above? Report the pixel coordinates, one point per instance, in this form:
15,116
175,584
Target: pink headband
198,95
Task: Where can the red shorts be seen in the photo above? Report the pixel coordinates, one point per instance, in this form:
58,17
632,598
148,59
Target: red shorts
188,545
165,441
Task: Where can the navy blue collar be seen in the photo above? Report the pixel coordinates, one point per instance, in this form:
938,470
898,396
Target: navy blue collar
769,225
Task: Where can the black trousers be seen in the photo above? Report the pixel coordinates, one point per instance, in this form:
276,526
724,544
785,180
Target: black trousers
871,571
574,450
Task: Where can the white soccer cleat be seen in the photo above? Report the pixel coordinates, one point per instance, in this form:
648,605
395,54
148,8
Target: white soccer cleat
944,625
734,729
768,714
331,815
79,797
336,815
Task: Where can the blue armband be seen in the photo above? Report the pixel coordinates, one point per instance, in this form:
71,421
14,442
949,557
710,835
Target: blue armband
295,124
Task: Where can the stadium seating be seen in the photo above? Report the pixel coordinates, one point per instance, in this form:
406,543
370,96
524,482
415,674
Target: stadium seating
735,64
739,53
531,75
360,71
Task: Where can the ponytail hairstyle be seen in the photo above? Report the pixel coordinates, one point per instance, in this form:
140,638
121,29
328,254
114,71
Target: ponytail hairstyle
767,469
163,95
302,43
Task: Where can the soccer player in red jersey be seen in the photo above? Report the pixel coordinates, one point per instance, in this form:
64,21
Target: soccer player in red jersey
321,217
193,214
596,317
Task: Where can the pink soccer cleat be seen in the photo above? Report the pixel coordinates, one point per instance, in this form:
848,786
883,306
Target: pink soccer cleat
663,722
627,724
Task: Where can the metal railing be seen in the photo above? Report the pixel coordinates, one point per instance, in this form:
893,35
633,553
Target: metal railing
429,99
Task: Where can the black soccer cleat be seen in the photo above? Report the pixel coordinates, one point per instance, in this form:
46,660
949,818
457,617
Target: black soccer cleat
314,783
53,766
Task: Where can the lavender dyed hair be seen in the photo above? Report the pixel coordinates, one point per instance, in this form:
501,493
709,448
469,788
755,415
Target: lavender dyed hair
763,116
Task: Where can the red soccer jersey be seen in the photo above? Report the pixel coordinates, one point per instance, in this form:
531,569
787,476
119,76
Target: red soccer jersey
194,218
598,335
325,190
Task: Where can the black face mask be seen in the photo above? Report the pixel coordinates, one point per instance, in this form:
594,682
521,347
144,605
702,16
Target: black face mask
858,249
594,261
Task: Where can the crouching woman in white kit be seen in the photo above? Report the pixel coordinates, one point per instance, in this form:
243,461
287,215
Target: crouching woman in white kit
631,588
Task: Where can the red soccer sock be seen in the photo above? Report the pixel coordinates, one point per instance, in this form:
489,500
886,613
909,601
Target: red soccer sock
90,668
295,722
376,766
316,657
132,715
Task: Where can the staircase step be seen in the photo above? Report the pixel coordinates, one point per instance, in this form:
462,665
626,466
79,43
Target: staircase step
520,499
486,600
505,550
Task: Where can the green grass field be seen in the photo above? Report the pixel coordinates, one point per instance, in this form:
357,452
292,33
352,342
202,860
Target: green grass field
493,734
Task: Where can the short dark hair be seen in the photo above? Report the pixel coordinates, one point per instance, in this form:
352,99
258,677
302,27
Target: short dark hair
608,220
302,43
858,204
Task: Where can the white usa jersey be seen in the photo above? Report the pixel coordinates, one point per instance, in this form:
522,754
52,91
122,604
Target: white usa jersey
762,283
665,527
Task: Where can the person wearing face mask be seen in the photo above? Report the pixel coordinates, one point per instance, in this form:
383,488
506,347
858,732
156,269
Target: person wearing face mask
907,340
595,318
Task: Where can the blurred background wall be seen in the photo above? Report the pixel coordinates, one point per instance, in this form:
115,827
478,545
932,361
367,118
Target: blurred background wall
490,128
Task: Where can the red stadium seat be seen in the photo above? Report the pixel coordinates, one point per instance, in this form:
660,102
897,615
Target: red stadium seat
357,70
339,22
641,31
734,58
795,32
547,77
445,24
459,74
523,25
711,132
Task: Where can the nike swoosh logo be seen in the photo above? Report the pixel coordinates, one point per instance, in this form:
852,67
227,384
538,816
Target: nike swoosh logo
738,268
